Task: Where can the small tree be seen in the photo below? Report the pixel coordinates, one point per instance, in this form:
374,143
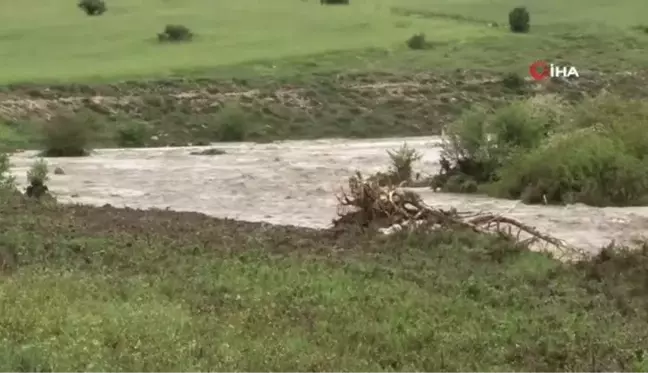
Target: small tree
519,19
93,7
402,161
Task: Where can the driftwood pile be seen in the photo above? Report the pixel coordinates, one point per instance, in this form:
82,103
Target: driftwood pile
390,209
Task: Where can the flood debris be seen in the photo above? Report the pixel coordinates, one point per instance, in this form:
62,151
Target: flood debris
390,209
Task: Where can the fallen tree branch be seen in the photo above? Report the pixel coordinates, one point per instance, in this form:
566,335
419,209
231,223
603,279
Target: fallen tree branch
390,208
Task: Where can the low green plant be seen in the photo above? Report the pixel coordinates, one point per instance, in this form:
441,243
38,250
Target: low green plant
133,134
402,161
417,42
93,7
37,177
334,2
38,173
514,81
175,33
233,123
7,180
585,165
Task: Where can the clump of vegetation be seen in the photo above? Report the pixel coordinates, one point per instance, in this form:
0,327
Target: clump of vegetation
401,168
67,136
417,42
334,2
480,142
519,20
514,82
37,177
93,7
7,181
402,161
133,134
542,152
233,123
210,151
175,33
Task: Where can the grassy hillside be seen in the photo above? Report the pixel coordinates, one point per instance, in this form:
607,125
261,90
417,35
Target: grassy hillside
56,41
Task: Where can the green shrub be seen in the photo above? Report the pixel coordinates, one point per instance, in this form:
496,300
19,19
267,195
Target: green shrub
133,134
67,136
234,123
402,161
334,2
7,181
519,20
514,82
605,109
37,177
175,33
481,142
585,165
93,7
417,42
38,172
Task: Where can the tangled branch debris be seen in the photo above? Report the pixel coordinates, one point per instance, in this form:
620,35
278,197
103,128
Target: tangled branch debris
392,209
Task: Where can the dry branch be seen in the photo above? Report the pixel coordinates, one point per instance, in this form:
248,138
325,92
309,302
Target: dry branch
390,209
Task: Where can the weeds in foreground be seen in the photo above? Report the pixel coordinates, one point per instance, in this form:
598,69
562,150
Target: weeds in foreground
128,290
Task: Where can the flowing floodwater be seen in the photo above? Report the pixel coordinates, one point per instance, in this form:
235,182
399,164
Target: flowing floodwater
293,183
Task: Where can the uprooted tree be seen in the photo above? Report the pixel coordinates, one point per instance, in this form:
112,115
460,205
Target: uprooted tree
366,203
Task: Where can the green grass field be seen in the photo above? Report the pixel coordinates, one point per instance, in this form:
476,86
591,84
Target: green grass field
106,289
56,41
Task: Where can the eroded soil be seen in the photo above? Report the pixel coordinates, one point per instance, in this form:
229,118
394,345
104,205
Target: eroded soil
185,112
293,183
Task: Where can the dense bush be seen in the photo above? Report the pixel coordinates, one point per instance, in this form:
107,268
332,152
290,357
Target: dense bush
67,136
233,123
334,2
133,134
93,7
519,20
480,142
417,41
541,151
587,166
175,33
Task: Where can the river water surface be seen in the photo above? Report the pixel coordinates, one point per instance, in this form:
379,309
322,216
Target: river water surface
293,183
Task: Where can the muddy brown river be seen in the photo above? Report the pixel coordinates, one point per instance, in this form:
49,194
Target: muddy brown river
293,183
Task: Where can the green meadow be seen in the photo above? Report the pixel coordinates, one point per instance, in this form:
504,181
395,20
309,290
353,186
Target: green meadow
57,42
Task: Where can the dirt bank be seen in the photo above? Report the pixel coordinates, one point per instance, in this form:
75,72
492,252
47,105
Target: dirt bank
182,112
